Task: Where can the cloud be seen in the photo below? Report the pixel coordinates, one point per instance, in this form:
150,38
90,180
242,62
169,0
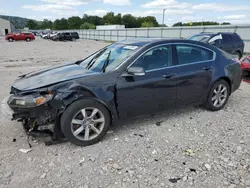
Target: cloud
3,12
96,12
220,7
169,4
155,12
235,17
68,2
117,2
58,9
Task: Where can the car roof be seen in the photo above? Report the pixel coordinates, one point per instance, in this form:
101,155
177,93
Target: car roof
145,41
155,41
211,33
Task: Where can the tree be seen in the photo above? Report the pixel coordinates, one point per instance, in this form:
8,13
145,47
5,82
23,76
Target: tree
149,19
31,24
61,24
118,19
87,25
74,22
147,24
46,24
225,23
129,21
109,18
177,24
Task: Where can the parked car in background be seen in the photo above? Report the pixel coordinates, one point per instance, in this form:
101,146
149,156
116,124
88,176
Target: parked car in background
123,80
72,36
245,65
229,42
20,36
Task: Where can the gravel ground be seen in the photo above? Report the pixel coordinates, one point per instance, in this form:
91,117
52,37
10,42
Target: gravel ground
187,147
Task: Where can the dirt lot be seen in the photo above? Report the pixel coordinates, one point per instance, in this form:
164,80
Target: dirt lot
188,147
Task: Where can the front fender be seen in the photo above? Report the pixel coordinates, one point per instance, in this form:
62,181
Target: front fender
73,91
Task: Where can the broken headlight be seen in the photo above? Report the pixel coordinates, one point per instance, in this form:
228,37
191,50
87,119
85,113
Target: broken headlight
29,101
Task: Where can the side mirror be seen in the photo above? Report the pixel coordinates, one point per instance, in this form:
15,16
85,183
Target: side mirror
136,71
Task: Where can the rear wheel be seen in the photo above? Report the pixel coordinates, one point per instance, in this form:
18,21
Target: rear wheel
10,39
28,39
218,96
238,55
73,39
85,122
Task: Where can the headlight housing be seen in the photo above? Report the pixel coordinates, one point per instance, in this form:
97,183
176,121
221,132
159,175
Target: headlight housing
29,101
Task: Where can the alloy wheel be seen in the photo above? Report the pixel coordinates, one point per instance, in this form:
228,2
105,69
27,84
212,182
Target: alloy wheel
87,124
219,96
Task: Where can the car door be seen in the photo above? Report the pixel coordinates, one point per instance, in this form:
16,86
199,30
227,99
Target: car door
195,70
67,36
152,92
227,43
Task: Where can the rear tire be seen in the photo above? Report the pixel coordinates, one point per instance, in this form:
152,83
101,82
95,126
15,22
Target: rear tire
10,39
87,128
238,55
28,39
73,39
218,96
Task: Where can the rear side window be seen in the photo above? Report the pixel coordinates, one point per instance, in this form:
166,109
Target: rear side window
191,54
227,39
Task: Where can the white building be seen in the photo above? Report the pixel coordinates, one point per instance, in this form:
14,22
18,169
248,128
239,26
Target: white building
5,27
111,27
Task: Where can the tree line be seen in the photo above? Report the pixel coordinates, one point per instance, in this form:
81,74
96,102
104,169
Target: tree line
90,22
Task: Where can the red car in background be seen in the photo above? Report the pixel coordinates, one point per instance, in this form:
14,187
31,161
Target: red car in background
20,36
245,65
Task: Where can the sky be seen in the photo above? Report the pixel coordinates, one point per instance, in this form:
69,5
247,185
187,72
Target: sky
233,11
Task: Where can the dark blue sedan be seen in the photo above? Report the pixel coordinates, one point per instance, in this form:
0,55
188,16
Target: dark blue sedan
125,79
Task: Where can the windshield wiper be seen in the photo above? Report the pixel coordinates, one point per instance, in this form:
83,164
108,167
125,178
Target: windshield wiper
106,63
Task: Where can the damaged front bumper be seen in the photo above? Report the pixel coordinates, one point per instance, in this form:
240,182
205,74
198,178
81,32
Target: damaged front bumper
33,118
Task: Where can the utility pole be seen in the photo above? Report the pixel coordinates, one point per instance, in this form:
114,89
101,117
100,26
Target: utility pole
163,16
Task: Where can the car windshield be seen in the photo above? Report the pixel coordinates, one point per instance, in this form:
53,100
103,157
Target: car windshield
109,58
201,38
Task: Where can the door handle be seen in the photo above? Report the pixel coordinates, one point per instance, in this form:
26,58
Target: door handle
166,76
207,68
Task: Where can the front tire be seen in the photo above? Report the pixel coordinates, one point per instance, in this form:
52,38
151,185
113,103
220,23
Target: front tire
218,96
28,39
85,122
10,39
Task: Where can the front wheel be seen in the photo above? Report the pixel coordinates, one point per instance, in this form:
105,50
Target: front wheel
10,39
28,39
218,96
85,122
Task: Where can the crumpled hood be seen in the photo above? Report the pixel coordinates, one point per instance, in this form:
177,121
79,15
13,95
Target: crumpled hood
50,76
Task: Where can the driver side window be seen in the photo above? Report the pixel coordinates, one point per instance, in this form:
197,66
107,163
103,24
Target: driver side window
159,57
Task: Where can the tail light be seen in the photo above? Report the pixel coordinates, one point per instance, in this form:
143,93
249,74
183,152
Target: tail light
246,60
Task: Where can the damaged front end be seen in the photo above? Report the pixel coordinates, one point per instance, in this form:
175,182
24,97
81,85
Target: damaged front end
33,109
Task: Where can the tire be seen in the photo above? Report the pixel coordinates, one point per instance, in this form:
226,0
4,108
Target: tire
238,55
76,112
27,39
211,103
10,39
73,39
